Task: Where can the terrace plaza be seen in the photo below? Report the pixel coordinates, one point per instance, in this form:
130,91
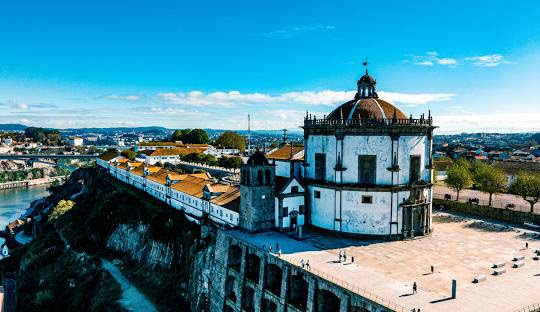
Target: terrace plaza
459,248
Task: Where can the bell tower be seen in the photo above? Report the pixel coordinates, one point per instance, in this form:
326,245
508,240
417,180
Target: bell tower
257,180
366,85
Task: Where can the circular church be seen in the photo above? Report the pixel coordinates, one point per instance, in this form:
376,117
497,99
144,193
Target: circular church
367,167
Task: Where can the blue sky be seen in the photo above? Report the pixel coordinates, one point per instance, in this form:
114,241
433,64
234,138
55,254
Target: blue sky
181,64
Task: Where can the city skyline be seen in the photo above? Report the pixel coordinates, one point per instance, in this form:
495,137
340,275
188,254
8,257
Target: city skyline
208,65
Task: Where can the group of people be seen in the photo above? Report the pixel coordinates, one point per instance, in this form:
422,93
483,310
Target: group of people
343,255
305,265
278,250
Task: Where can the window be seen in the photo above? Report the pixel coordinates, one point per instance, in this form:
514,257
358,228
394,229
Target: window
367,166
268,177
285,211
259,177
301,209
317,194
367,199
320,166
414,174
294,189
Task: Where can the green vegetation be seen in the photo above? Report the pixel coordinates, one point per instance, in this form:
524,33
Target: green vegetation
43,136
129,153
458,176
29,174
224,162
527,186
55,279
230,139
195,136
489,179
61,208
230,162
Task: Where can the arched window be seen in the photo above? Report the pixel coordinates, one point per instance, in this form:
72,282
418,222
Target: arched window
260,177
268,177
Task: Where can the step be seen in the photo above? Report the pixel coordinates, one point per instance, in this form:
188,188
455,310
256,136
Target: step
518,264
499,271
498,265
479,278
518,258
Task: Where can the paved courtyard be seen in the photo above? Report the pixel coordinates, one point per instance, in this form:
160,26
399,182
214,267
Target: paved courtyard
458,249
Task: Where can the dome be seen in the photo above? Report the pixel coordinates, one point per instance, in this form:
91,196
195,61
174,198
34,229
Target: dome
368,79
258,159
366,108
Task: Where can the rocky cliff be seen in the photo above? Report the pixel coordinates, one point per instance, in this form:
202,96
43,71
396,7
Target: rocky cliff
169,258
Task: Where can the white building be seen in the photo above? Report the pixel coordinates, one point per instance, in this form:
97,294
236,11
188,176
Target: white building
8,141
75,141
367,168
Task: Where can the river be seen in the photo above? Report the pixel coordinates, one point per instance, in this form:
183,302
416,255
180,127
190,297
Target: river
14,202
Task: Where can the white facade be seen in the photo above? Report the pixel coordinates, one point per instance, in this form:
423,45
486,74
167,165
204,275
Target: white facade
76,141
192,206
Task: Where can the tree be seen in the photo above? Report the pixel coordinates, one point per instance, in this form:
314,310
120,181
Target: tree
230,139
230,162
129,153
489,179
196,136
527,186
536,137
61,208
178,135
44,136
458,177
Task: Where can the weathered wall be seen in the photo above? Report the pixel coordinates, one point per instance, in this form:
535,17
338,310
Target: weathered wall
247,278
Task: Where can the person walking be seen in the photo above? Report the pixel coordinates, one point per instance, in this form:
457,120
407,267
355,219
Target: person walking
432,269
302,263
414,288
344,256
526,245
307,265
340,256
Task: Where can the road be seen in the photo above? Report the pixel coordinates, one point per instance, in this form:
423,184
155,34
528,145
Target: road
499,200
132,299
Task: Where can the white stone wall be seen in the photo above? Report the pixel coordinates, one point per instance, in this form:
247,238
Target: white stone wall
378,145
283,168
356,217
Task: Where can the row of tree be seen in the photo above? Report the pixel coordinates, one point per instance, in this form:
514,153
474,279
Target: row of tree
228,139
43,136
492,180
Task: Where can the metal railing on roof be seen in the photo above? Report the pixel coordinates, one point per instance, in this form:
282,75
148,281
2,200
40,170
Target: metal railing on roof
355,122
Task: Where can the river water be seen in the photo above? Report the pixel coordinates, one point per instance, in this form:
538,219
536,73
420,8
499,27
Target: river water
14,202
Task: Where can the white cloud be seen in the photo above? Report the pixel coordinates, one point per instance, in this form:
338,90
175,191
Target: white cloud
494,122
298,30
324,97
124,97
491,60
432,58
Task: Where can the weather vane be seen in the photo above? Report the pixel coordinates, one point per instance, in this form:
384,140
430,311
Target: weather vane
365,64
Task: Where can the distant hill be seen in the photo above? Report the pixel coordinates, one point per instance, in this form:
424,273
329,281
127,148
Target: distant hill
12,127
116,129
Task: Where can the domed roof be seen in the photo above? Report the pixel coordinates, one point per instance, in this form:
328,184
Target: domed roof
367,79
258,159
366,108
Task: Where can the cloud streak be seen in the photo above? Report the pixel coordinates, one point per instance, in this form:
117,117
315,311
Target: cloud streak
296,31
324,97
491,60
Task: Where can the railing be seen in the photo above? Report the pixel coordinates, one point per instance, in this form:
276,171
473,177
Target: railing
332,279
355,289
345,122
193,164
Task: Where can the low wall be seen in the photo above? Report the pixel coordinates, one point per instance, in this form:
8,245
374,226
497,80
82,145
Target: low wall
506,215
25,183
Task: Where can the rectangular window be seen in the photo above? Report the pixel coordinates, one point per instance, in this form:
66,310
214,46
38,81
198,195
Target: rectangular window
320,166
317,194
285,211
301,209
366,199
294,189
414,174
367,167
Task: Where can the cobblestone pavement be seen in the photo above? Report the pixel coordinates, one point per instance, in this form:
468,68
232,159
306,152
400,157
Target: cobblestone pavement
458,249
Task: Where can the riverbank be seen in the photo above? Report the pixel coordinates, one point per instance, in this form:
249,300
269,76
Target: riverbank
32,182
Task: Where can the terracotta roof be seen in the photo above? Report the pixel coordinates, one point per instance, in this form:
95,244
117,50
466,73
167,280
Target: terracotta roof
284,152
229,199
108,156
366,108
159,177
514,167
160,144
140,170
177,151
191,185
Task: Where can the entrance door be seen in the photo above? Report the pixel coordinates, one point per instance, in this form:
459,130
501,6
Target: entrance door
293,217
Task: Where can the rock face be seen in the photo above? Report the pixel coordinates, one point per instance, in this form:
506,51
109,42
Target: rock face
133,240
